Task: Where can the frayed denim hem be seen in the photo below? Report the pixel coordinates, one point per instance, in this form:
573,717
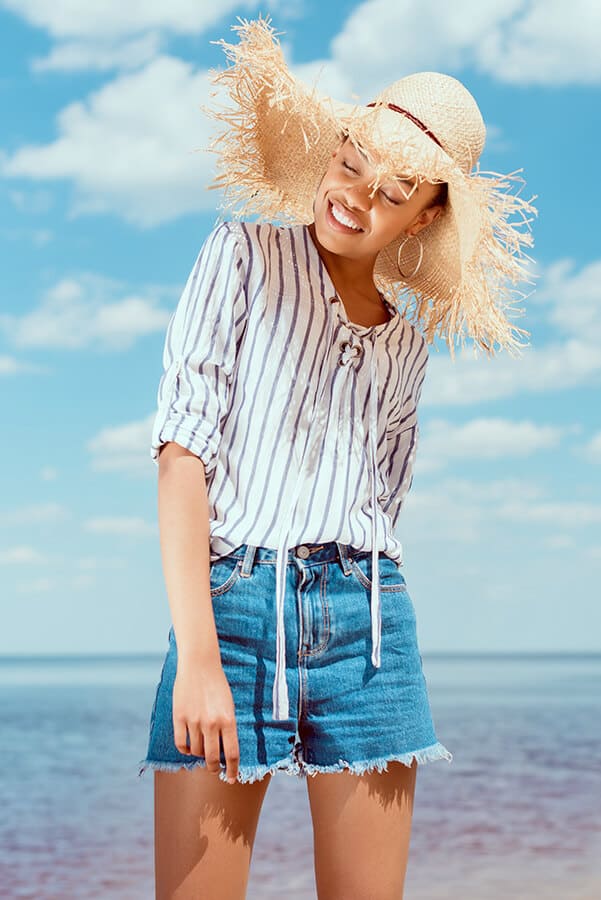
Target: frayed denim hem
291,765
427,754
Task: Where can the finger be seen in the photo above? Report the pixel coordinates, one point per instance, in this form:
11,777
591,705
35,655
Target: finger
180,734
231,749
196,742
211,754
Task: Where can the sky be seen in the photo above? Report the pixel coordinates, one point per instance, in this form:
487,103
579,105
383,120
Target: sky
104,207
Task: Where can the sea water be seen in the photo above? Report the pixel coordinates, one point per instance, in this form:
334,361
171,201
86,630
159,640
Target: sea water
517,814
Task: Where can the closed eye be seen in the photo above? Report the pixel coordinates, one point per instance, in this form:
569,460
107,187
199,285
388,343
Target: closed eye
384,194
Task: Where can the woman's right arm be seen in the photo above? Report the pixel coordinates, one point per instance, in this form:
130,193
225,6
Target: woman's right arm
199,361
202,699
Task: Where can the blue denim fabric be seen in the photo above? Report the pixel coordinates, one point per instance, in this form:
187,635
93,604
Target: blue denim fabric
344,712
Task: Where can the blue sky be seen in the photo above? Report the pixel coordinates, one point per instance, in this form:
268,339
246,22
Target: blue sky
103,212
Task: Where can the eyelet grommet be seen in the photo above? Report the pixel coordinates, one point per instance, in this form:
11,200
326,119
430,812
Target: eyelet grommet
349,351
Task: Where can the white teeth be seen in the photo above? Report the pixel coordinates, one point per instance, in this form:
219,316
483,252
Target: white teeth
340,217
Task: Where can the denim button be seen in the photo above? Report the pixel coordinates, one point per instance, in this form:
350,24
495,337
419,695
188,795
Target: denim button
303,552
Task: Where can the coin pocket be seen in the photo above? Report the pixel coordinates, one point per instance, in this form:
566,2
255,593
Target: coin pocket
224,573
391,578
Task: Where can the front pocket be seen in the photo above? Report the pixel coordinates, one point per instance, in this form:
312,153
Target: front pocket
224,573
391,579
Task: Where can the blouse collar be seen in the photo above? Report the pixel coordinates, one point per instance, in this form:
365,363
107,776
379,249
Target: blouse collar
332,295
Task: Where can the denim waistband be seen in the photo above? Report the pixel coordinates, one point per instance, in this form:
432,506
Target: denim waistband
310,554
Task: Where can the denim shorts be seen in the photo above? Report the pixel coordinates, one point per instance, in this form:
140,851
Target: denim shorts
344,712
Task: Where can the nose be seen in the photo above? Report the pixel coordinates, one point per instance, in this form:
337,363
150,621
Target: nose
357,196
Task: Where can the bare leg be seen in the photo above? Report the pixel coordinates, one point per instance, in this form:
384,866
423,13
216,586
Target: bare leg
204,831
361,830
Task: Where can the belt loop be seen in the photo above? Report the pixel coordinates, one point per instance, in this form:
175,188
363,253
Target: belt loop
248,561
344,558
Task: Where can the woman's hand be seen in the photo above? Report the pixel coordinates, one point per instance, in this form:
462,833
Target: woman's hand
203,704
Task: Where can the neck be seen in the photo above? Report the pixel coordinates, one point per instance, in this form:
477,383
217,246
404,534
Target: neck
346,273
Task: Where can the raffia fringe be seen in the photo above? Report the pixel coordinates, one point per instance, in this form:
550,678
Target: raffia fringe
480,303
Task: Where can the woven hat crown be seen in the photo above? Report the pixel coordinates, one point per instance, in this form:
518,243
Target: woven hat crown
445,106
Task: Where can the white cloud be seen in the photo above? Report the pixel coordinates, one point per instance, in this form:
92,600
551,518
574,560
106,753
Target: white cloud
113,34
10,365
33,514
123,448
135,147
38,236
326,77
569,302
553,366
37,586
115,19
533,42
548,43
571,299
465,510
34,202
592,450
99,55
383,40
443,442
22,555
119,526
93,563
558,541
87,311
460,509
566,513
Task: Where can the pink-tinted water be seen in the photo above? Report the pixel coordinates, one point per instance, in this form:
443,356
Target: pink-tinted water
515,815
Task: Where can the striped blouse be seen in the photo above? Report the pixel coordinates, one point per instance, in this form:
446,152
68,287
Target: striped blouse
305,421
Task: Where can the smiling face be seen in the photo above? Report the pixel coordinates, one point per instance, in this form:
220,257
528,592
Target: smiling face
350,222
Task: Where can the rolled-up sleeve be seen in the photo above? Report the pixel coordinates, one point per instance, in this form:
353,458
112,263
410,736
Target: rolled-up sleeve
402,438
200,350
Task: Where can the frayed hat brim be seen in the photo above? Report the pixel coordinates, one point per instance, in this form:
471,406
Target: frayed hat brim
276,146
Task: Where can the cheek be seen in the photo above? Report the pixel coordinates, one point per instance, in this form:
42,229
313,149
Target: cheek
391,223
325,184
404,216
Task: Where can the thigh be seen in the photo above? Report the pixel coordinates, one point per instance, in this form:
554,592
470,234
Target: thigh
204,832
362,829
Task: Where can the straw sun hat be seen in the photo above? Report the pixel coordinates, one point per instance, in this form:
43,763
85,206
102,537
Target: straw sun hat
455,276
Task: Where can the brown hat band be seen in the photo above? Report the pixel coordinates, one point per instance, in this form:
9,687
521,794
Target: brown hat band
414,119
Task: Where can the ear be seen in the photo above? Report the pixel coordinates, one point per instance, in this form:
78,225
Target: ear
424,219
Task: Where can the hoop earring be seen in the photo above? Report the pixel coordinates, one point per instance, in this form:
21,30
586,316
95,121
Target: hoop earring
419,262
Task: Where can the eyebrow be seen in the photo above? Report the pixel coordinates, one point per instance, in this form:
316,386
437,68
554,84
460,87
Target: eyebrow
359,150
397,181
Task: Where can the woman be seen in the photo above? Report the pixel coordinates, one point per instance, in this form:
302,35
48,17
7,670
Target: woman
285,440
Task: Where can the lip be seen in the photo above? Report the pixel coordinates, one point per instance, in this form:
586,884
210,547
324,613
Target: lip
338,226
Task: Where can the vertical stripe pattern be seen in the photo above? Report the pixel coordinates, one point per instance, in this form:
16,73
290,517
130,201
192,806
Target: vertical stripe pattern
258,329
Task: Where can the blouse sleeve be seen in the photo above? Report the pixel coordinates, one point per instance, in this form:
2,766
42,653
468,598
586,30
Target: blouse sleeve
200,349
402,438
